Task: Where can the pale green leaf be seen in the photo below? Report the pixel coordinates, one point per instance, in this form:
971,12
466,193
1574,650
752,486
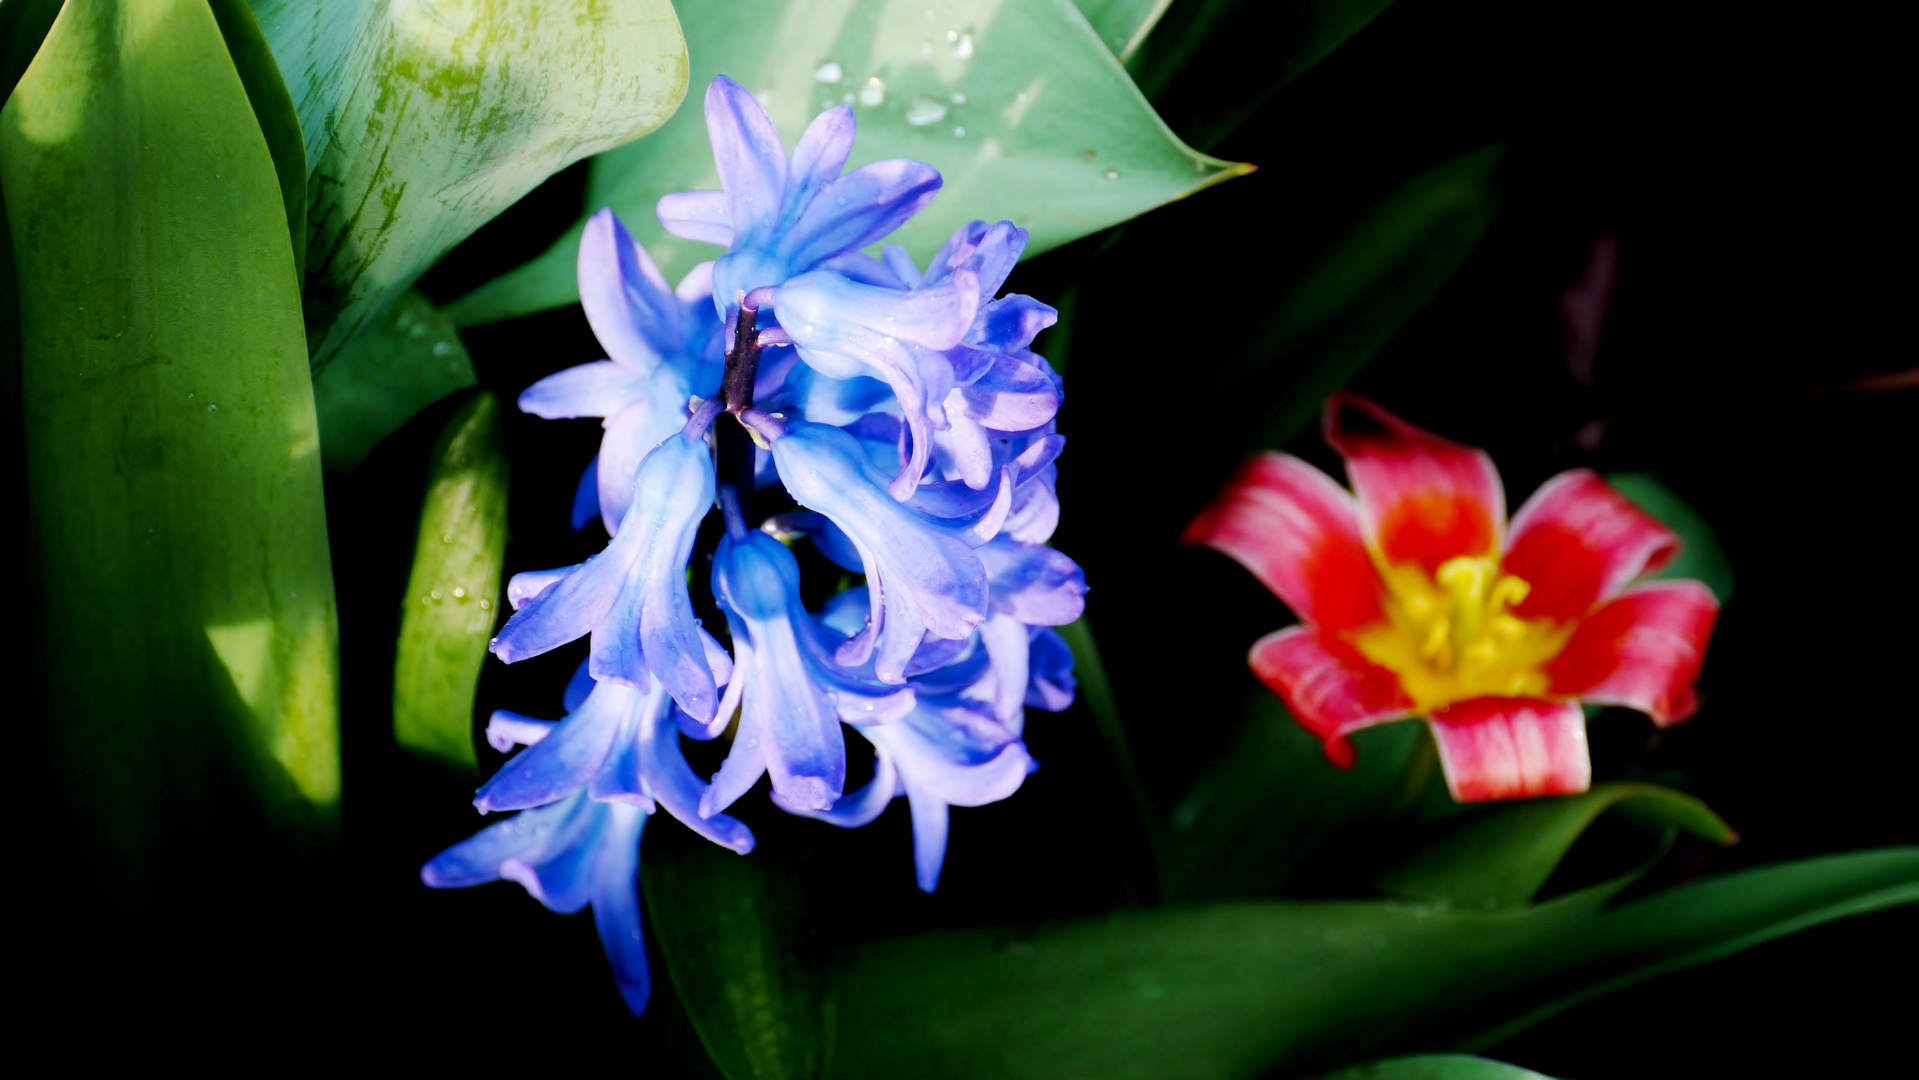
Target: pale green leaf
1123,24
424,118
186,631
1023,110
405,359
1240,990
452,597
1434,1067
1503,856
1700,555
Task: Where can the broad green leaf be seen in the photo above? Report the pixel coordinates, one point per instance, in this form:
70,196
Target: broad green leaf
1360,293
405,359
1211,63
1503,856
1023,110
424,118
1273,798
1239,990
452,594
23,24
747,965
1123,24
1700,555
1435,1067
186,632
274,109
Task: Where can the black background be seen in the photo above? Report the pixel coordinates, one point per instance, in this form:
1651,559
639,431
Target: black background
1747,164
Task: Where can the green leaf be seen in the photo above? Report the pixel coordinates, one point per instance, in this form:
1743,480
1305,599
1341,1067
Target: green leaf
1435,1067
1211,63
405,359
452,595
1502,857
422,121
1097,691
23,25
186,631
1700,555
1123,24
1272,799
1056,138
748,967
273,108
1239,990
1364,289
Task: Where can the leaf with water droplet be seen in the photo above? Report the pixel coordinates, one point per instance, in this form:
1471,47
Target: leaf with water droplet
461,550
408,357
1039,87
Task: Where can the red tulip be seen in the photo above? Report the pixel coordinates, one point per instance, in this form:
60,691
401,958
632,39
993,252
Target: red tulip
1418,598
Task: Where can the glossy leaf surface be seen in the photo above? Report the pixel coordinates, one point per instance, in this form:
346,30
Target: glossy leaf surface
1434,1067
1239,990
1020,106
405,359
749,971
452,598
1503,856
424,118
1358,295
1700,555
186,630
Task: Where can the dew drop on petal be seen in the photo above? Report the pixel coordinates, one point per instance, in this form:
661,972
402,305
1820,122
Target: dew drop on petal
922,111
873,91
829,73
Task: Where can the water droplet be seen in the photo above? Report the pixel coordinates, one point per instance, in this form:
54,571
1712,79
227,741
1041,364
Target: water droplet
922,111
435,594
959,133
873,91
213,408
426,600
442,348
486,605
1112,174
459,592
829,73
963,48
959,98
189,395
418,330
446,538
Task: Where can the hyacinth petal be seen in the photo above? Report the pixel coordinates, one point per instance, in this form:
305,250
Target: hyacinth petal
857,808
1036,585
616,903
1035,515
563,762
1012,322
930,826
529,837
1331,689
506,729
578,687
750,158
647,420
854,210
600,388
1422,499
697,215
627,301
953,748
677,789
1008,644
926,579
965,448
1298,532
1050,662
1011,396
745,761
835,320
586,495
1643,650
818,158
555,612
529,584
621,777
1578,542
563,881
1512,748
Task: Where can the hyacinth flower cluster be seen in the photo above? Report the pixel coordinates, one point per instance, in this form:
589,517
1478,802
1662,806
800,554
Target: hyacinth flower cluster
1418,598
797,391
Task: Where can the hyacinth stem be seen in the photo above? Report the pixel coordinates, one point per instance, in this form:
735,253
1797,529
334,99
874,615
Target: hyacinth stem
733,447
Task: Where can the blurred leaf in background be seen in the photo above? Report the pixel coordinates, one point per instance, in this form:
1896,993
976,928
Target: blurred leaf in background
1700,555
1434,1067
1020,106
451,603
423,120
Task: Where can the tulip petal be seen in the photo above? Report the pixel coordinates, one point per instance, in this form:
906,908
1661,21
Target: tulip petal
1512,748
1578,542
1422,499
1643,650
1298,532
1331,689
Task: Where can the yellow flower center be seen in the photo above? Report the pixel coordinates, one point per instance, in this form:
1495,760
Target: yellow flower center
1452,636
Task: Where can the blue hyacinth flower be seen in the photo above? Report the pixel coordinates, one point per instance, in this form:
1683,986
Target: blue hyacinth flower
663,347
633,596
779,217
792,694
